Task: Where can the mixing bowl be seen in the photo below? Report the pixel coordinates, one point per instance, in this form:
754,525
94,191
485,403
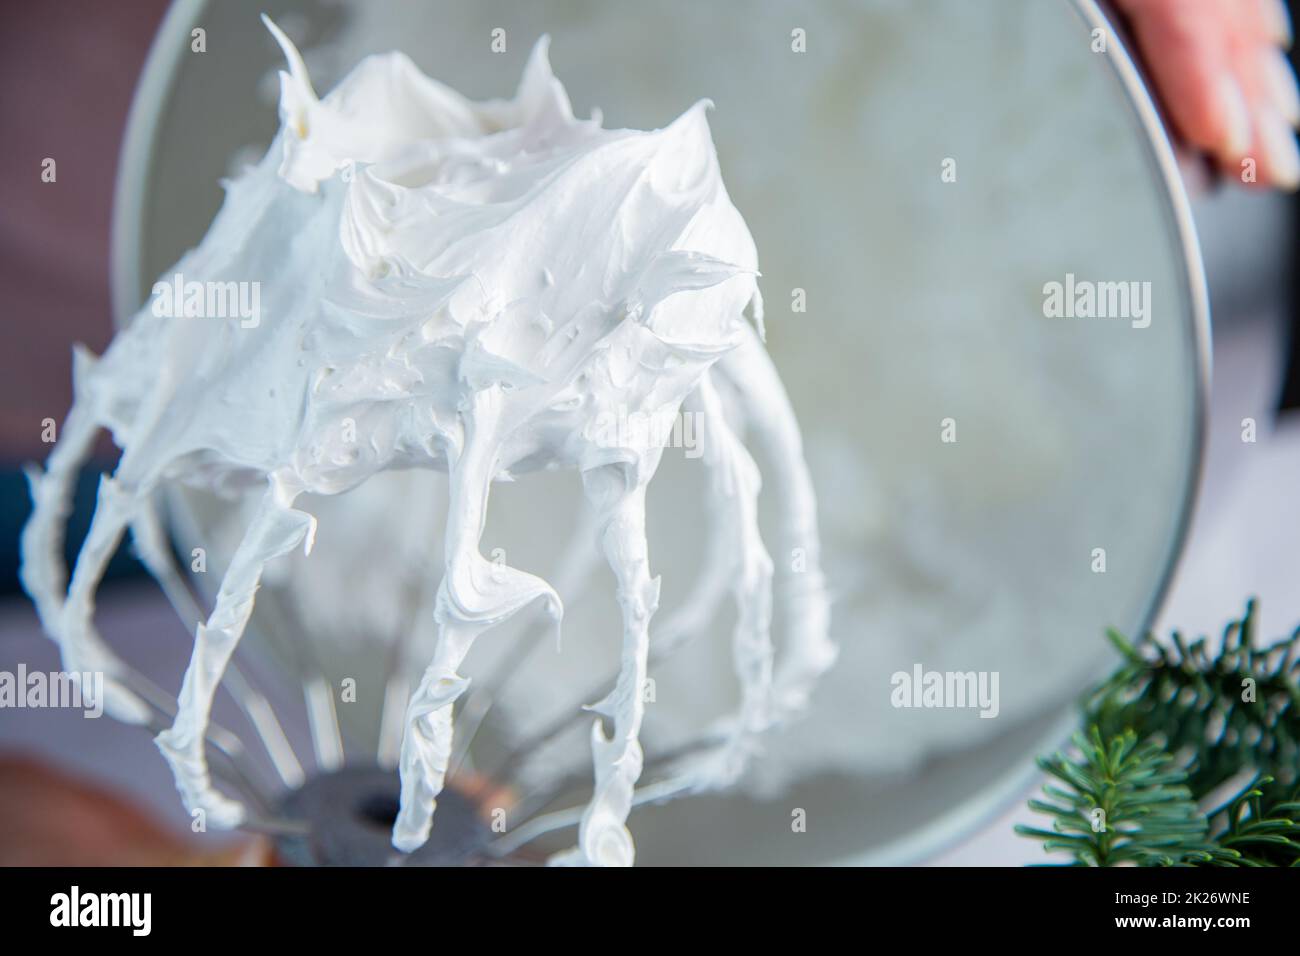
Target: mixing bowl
998,483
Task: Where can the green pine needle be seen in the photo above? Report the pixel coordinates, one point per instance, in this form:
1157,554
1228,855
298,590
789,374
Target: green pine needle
1122,802
1173,725
1237,709
1254,831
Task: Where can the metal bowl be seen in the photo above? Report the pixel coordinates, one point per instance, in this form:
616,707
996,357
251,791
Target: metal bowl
925,301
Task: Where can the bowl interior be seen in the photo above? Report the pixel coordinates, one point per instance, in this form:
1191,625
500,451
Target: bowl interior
915,180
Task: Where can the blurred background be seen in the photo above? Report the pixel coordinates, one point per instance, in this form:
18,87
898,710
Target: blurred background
68,73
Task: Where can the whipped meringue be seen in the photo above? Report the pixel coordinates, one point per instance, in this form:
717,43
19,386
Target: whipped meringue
475,288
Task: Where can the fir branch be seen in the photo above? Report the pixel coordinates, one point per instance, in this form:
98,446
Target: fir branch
1174,724
1223,713
1258,833
1123,802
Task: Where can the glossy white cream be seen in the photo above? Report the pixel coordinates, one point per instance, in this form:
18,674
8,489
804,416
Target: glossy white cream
475,288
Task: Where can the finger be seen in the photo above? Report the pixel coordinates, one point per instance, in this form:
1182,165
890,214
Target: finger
1272,21
1278,83
1269,85
1253,22
1278,156
1189,54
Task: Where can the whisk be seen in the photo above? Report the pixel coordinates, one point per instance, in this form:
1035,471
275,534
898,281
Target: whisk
336,806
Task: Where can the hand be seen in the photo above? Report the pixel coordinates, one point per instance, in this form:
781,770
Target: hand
1219,68
48,818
